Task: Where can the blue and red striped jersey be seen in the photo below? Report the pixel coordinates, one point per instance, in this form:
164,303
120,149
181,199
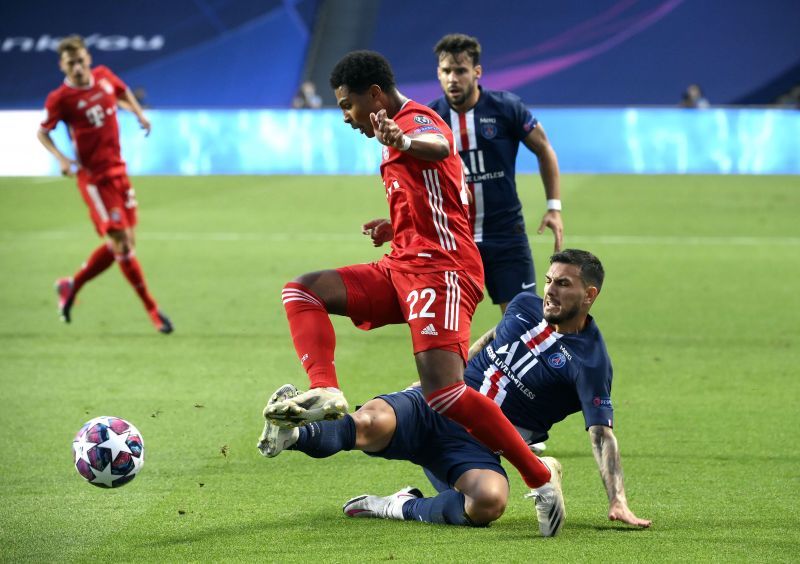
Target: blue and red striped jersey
538,376
488,138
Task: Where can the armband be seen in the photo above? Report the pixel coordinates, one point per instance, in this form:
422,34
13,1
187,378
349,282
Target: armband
406,143
553,205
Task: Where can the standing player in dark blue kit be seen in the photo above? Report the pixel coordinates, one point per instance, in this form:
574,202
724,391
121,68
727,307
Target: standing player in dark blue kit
488,127
544,361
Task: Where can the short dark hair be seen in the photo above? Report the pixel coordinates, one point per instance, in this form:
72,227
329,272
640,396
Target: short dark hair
455,43
592,273
358,70
70,44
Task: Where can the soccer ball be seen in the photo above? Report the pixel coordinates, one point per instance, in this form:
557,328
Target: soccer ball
108,452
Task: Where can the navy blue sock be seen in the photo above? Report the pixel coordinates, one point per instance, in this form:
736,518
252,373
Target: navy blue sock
446,508
325,438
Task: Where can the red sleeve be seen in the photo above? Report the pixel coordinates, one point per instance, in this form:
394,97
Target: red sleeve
53,108
104,72
418,121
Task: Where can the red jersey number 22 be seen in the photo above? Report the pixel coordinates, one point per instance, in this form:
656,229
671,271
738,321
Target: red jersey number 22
414,296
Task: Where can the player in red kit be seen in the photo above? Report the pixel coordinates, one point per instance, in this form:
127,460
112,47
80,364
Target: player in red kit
87,102
432,279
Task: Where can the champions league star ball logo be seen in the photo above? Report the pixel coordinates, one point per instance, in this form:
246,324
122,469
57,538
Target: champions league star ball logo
108,452
557,360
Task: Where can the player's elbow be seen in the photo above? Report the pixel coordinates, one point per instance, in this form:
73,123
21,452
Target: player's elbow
436,146
442,149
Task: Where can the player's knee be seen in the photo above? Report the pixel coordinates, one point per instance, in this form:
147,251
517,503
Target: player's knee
375,426
487,505
121,243
325,287
306,280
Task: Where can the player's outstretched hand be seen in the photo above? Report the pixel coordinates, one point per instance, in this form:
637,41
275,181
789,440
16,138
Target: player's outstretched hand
552,219
620,512
68,167
386,130
145,124
379,230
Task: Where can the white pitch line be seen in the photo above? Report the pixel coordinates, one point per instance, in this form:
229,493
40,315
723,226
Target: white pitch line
675,240
47,180
681,240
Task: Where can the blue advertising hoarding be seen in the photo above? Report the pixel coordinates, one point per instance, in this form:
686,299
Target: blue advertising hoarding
626,140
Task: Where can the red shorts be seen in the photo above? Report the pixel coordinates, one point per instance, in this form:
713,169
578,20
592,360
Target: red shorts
111,201
438,306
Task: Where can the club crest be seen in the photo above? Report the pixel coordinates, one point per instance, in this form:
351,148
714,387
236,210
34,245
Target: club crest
489,130
557,360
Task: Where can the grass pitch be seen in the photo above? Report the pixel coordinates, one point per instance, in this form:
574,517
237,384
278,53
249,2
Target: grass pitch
699,311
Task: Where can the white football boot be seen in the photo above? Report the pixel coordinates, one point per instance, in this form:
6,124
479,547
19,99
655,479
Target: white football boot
549,500
275,439
538,448
389,507
314,405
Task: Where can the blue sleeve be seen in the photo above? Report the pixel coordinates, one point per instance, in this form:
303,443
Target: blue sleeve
522,119
594,391
526,304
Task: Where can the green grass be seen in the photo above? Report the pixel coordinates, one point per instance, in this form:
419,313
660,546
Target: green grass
700,314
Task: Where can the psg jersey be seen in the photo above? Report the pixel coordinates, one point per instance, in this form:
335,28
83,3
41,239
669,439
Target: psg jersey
488,138
538,376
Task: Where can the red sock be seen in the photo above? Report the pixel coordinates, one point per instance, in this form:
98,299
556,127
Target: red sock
486,422
130,267
312,334
100,259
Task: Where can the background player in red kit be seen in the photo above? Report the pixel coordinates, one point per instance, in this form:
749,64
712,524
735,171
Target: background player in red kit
432,279
87,102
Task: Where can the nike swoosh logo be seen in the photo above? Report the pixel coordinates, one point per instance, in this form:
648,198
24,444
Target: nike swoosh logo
526,286
518,316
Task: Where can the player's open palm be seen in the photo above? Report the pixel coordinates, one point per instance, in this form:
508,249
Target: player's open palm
379,230
621,512
386,130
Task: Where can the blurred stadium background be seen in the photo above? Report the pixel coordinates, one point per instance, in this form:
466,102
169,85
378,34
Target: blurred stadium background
605,77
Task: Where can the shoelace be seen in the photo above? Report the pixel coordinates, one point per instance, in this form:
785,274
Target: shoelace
537,496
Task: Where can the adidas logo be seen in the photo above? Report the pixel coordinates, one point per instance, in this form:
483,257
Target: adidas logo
429,330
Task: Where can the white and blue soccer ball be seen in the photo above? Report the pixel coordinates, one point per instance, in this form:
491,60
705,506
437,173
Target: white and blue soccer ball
108,452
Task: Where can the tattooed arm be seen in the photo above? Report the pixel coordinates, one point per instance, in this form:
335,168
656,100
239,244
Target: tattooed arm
606,453
482,341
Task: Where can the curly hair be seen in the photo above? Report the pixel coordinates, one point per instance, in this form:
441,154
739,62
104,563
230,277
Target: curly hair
456,43
358,70
592,272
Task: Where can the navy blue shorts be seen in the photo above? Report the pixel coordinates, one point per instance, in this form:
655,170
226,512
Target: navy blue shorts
507,269
441,446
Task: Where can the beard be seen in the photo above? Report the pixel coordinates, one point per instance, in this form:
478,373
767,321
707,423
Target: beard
459,98
565,315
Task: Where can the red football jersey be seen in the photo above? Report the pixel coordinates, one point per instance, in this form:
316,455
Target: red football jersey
428,203
91,116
